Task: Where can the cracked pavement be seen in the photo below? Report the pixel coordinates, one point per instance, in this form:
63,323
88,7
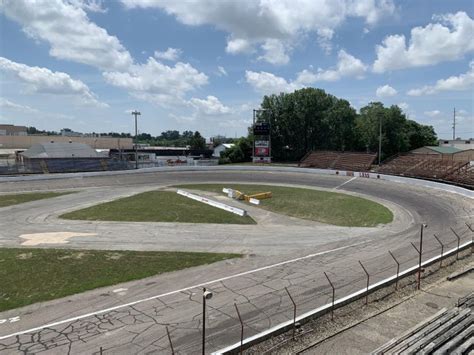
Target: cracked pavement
279,253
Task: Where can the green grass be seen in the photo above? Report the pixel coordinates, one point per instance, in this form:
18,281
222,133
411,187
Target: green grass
321,206
14,199
157,206
33,275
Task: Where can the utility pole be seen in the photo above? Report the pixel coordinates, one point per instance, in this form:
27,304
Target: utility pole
454,124
380,138
136,114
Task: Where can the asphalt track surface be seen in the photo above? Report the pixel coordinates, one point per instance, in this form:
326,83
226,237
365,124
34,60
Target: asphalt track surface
279,252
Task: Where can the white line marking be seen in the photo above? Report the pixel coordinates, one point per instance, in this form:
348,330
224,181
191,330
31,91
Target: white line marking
348,181
329,305
176,291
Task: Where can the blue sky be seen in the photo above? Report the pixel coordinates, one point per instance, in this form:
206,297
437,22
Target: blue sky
205,64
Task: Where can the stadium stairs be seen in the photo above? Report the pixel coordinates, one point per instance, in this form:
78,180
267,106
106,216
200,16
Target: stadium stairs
447,332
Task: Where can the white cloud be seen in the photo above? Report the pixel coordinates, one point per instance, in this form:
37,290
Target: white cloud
268,83
45,81
453,83
221,71
385,91
448,39
89,5
68,30
239,45
252,23
158,83
9,105
275,52
210,106
432,114
404,106
171,54
347,66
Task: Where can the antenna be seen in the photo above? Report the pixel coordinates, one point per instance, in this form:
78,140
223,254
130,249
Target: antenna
454,124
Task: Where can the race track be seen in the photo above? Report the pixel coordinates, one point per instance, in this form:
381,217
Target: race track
280,252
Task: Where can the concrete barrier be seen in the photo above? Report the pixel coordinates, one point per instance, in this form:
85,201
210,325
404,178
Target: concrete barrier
222,206
363,175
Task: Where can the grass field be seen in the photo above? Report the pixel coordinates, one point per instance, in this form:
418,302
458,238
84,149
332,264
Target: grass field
14,199
33,275
157,206
321,206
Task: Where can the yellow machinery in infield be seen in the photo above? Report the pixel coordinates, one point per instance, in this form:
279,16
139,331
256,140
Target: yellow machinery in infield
254,198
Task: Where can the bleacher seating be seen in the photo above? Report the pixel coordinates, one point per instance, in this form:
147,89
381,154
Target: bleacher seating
351,161
431,167
447,332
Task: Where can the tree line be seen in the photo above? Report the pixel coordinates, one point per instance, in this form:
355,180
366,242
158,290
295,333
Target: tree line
311,119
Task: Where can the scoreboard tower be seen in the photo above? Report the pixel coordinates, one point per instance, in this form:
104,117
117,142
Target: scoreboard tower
261,139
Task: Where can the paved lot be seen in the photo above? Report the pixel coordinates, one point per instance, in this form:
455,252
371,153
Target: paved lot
279,252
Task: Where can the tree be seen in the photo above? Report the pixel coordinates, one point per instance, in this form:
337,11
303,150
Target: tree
197,141
240,152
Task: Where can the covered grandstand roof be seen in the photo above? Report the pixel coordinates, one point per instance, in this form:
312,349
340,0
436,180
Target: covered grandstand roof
60,150
444,150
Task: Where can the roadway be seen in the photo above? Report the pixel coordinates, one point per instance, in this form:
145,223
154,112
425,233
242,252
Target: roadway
279,252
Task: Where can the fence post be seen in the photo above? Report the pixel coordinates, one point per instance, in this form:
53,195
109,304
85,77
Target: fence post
472,236
368,281
333,295
459,242
101,351
169,339
418,281
294,312
398,269
241,328
442,251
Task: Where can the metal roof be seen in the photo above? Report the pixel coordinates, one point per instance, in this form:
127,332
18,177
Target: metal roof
60,150
444,150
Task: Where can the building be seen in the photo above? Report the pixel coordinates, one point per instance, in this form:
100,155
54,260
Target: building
221,148
462,144
62,157
11,130
25,142
446,153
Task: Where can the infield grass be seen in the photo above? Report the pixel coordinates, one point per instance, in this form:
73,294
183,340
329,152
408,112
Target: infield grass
157,206
34,275
15,199
315,205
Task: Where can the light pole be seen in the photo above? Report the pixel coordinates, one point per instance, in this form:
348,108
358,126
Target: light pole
380,138
136,114
206,295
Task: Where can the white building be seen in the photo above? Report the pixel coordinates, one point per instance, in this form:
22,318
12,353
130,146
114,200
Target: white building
463,144
221,148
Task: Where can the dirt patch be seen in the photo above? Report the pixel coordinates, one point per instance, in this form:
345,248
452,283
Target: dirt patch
24,256
113,256
76,256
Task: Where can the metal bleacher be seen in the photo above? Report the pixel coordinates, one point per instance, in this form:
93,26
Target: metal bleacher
352,161
447,332
424,166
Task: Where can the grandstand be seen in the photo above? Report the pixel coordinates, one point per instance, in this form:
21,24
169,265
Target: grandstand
447,332
429,166
353,161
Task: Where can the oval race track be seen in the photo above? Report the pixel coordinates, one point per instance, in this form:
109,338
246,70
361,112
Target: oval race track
280,252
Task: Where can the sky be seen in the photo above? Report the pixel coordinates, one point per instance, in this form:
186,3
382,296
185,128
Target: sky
206,64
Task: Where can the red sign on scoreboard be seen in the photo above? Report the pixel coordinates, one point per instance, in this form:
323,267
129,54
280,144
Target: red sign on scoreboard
262,151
